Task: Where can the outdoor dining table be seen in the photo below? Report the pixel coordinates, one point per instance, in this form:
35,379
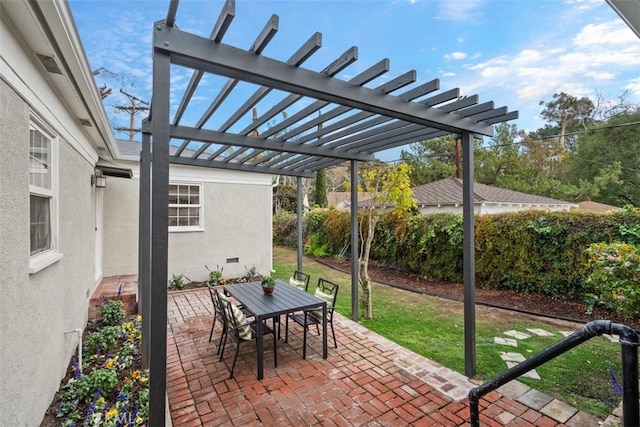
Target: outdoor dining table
284,300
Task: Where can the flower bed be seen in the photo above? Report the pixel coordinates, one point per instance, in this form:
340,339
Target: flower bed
110,389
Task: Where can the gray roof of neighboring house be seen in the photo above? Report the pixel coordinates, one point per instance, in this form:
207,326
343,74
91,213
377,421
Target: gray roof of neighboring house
449,191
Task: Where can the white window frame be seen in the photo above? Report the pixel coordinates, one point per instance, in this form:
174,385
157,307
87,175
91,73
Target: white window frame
188,228
51,255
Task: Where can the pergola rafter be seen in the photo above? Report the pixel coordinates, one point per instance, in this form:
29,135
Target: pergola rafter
357,122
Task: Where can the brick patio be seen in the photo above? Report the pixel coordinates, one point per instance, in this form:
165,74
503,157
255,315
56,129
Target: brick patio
368,380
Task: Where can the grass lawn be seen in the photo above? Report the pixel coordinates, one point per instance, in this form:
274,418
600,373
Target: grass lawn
434,328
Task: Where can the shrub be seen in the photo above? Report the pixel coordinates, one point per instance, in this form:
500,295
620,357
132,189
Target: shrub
177,282
614,277
113,312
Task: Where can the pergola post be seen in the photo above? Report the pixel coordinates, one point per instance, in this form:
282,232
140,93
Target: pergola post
299,221
159,236
144,242
469,264
355,255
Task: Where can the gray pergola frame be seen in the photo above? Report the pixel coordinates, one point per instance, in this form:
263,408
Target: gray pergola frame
357,122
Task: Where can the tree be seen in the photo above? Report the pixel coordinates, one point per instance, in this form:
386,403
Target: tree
320,198
569,113
388,187
616,142
501,157
430,160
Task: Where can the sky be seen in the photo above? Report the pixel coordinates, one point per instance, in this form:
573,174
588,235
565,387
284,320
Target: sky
514,52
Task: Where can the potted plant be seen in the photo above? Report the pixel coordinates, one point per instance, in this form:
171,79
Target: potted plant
268,284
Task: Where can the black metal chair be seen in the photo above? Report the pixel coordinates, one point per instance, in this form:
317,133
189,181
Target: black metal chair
300,280
242,330
218,314
327,291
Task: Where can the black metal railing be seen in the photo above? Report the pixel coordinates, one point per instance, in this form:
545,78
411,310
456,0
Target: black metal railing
629,341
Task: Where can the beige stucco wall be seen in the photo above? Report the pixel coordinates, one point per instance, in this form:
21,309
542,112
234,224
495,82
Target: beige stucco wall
36,310
236,212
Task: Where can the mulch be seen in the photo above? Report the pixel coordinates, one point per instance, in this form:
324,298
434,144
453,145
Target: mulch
537,304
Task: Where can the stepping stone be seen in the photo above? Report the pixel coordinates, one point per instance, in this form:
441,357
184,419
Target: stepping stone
517,335
535,399
566,333
512,357
612,338
540,332
505,341
559,411
530,374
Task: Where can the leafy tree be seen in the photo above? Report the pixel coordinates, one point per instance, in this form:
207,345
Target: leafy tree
389,187
284,198
603,152
502,156
569,113
321,189
430,160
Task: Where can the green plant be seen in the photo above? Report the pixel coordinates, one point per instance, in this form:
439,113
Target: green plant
215,275
177,282
111,389
268,282
102,340
614,277
250,274
113,312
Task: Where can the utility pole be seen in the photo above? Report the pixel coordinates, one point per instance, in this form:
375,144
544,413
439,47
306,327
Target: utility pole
132,109
458,165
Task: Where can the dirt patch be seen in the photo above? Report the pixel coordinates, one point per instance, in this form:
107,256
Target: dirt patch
536,304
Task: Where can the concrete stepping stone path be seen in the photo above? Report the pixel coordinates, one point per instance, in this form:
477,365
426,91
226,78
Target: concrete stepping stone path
517,335
512,359
540,332
505,341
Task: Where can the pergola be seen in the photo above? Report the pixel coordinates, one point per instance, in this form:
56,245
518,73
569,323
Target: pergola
357,120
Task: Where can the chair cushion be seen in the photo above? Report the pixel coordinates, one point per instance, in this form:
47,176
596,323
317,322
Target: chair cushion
245,331
317,314
297,283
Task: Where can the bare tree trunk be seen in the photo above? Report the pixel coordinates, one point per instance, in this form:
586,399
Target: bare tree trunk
365,281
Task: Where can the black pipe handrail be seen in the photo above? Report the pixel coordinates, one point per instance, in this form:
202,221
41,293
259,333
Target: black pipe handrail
629,341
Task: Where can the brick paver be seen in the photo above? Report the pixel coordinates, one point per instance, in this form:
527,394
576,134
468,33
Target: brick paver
367,380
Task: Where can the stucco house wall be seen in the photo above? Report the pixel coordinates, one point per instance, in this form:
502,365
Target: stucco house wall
236,231
37,310
42,304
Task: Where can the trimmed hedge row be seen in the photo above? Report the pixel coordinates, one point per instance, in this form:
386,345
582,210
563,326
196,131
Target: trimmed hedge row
531,252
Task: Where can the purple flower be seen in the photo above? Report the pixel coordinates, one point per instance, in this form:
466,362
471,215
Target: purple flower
77,372
92,406
122,396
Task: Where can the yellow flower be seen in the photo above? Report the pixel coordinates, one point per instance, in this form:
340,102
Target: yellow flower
135,374
139,318
110,363
112,413
138,420
100,401
144,379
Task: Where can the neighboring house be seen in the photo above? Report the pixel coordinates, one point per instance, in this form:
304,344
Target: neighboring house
216,218
342,200
60,232
445,195
597,207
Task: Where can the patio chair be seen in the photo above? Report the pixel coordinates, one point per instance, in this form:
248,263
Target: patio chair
242,330
327,291
218,314
300,280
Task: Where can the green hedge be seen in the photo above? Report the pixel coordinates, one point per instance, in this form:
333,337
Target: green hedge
532,251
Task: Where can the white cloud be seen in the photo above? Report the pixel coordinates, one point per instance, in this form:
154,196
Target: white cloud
448,74
634,86
585,4
600,75
455,55
459,10
460,40
606,33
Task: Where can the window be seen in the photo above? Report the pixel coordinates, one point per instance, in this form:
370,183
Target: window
42,199
184,207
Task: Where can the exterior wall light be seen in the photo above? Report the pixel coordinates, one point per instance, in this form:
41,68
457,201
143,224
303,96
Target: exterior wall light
99,180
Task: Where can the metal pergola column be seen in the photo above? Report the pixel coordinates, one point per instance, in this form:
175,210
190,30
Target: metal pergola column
469,260
355,247
144,242
160,238
299,222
